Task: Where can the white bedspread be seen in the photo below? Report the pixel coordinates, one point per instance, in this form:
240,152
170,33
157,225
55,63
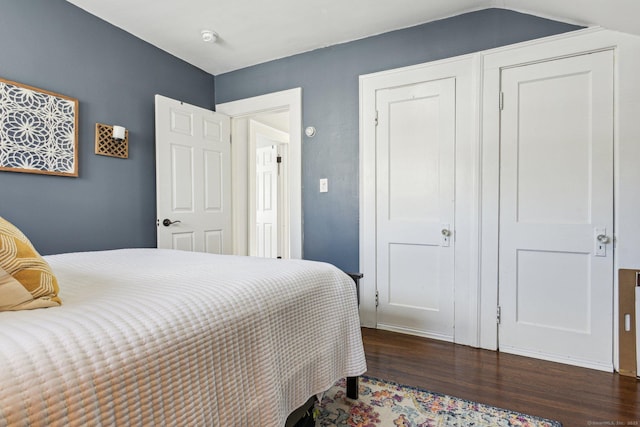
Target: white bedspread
158,337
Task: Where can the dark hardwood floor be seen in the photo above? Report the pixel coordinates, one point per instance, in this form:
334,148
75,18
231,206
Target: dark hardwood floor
571,395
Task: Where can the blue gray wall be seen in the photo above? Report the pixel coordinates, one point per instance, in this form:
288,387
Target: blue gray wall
56,46
329,81
53,45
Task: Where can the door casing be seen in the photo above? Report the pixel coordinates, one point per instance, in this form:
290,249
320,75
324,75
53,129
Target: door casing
290,100
466,184
626,129
555,293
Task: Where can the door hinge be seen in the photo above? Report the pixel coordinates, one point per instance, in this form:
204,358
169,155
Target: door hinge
278,161
501,101
377,299
375,119
498,315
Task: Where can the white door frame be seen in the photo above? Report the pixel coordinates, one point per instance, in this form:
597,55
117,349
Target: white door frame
626,128
290,100
547,262
466,186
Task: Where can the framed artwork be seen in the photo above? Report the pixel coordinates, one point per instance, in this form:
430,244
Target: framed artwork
38,131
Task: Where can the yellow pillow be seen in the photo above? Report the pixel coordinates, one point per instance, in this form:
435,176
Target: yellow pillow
26,280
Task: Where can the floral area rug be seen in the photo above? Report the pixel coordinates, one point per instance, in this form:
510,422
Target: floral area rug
384,403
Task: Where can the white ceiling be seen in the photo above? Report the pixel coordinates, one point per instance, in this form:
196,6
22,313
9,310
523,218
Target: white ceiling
256,31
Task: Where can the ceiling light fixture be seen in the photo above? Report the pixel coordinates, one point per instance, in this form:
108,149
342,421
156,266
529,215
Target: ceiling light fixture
209,36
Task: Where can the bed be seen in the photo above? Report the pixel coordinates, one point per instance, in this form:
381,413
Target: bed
163,337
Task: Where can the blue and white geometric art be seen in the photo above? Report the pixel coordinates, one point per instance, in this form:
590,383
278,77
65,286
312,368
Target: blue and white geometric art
38,130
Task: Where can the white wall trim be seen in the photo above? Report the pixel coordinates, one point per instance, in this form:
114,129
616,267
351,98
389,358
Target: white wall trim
241,109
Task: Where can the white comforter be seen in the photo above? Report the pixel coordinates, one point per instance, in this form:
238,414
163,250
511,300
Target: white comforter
160,337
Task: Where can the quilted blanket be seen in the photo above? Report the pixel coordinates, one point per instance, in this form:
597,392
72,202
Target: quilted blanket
162,337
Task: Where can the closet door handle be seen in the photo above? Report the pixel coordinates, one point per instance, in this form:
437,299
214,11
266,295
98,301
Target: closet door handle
445,238
167,222
602,239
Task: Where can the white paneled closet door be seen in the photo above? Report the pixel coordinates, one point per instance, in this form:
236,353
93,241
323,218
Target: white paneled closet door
415,181
556,210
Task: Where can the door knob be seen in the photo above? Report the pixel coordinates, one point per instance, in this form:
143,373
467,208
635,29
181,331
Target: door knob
602,238
167,222
445,232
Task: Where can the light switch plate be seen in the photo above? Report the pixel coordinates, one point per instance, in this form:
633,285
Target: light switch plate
324,185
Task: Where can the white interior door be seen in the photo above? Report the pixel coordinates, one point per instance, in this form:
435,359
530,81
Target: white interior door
193,177
556,210
415,151
267,224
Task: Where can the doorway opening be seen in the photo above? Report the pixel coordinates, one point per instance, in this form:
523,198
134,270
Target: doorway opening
272,117
268,185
